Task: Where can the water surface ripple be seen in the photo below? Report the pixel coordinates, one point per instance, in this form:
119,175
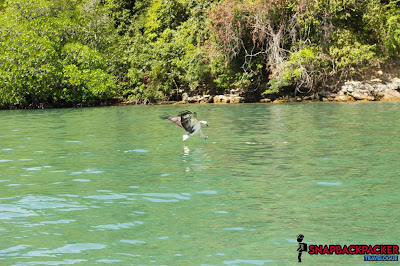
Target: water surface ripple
117,185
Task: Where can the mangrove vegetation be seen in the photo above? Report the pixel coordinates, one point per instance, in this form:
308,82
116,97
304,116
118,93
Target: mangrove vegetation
89,52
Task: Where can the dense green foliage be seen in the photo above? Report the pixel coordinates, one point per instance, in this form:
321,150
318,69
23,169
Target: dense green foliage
66,52
55,52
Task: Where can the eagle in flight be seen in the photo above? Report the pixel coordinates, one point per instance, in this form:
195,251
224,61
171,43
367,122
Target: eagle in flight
188,121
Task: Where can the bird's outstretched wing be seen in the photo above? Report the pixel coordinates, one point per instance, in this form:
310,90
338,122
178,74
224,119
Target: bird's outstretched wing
185,120
188,120
174,119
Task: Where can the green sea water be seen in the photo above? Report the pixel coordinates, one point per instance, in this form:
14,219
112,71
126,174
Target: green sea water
118,186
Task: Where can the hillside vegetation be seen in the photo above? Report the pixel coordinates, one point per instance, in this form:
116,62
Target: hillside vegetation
70,52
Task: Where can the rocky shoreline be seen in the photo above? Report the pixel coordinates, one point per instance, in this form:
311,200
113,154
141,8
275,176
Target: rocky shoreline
387,89
372,90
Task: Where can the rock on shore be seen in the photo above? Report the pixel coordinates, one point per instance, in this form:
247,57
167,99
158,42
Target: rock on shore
349,91
372,90
212,99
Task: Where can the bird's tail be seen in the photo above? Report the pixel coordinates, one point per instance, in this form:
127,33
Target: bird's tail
163,116
185,137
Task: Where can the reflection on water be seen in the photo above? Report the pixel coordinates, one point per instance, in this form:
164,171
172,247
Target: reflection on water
195,159
116,186
186,150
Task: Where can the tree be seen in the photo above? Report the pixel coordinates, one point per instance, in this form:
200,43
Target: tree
302,44
29,65
53,53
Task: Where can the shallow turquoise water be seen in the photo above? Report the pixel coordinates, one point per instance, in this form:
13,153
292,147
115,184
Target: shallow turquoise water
117,185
